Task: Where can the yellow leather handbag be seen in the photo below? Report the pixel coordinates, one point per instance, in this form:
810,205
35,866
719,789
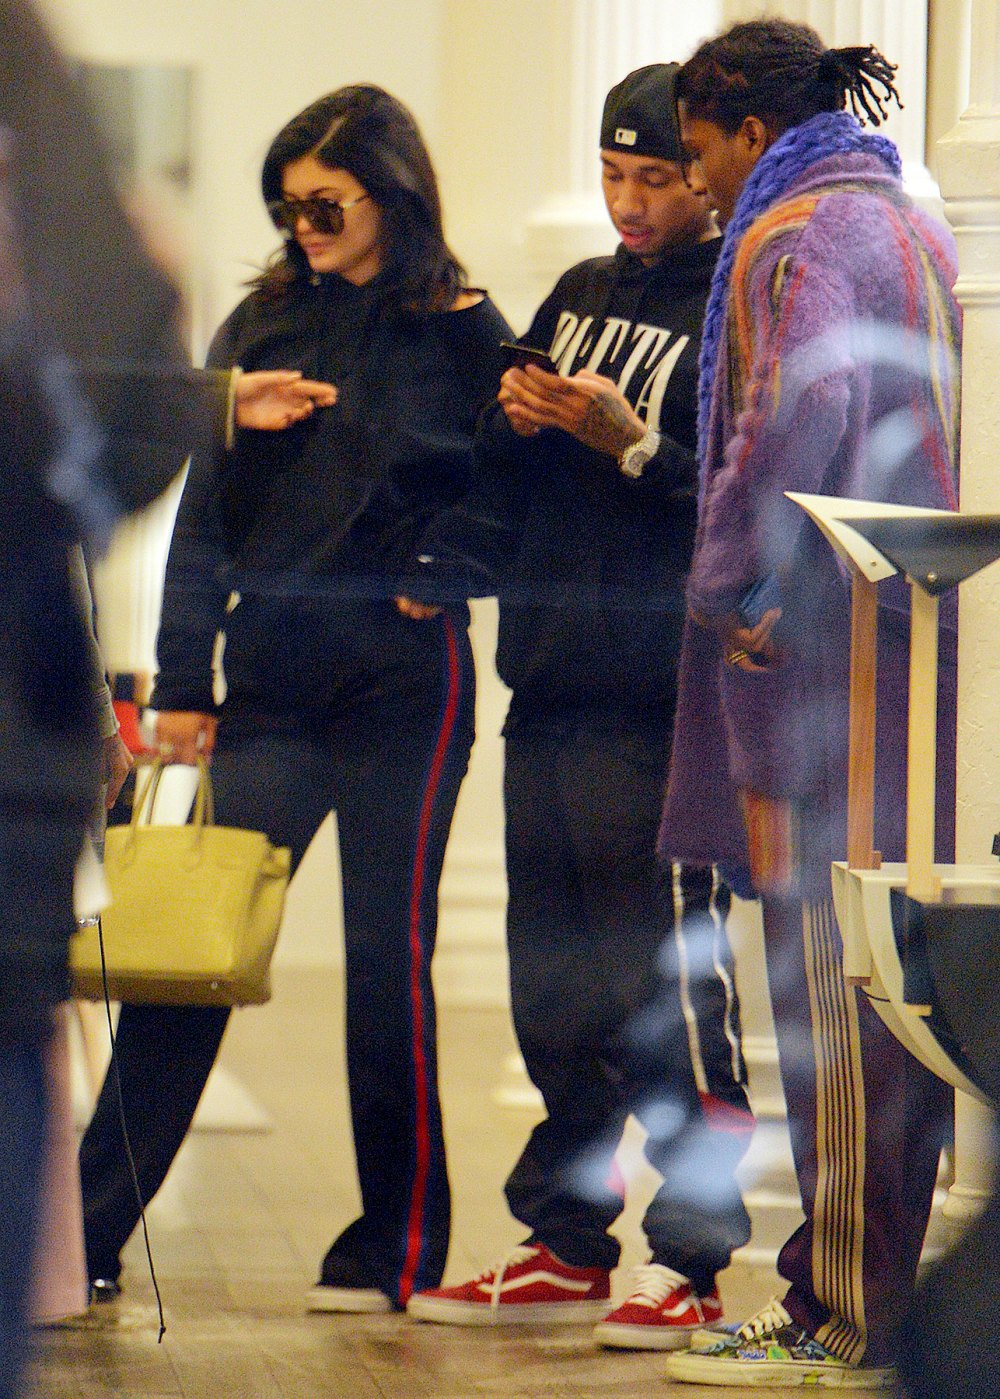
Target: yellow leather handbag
194,915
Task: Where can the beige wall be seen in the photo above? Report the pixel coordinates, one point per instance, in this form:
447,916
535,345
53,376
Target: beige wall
492,153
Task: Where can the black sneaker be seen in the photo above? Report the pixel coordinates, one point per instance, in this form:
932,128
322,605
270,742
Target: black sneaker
346,1286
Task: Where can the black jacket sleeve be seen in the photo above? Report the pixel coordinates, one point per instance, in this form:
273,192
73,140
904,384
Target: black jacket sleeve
478,540
174,407
471,548
448,563
671,474
195,588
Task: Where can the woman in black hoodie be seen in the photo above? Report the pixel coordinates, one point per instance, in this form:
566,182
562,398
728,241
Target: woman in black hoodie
342,693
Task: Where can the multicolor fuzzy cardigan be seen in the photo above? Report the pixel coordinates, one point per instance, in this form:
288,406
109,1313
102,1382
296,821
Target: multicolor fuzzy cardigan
835,371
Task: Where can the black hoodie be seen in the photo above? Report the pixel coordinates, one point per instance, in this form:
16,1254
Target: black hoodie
588,563
335,507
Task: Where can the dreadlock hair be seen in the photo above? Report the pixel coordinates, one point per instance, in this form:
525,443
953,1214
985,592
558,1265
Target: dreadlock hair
365,130
783,74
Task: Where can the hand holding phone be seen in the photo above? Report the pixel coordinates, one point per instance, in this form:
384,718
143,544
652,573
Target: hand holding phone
758,614
761,598
520,356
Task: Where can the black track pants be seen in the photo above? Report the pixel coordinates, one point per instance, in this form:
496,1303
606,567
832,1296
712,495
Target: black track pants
388,754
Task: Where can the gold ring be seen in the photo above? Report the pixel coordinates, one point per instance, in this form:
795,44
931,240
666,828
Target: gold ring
735,656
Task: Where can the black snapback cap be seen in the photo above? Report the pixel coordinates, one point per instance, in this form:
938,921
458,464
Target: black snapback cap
640,114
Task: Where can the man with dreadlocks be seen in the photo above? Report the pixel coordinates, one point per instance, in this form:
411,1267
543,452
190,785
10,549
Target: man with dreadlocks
828,365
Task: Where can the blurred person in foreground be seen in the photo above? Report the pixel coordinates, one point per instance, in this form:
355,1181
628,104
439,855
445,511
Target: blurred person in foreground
81,308
829,364
951,1352
620,971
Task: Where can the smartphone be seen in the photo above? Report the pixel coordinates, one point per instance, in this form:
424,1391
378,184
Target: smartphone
758,600
520,356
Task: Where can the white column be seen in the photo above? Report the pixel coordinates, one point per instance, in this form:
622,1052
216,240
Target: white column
594,43
900,32
949,53
969,167
767,1174
975,1151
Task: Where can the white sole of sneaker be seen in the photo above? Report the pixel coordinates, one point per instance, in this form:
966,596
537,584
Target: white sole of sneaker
362,1301
642,1337
450,1313
775,1374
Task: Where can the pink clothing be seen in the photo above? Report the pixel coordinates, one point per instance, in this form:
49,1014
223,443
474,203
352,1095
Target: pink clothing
60,1288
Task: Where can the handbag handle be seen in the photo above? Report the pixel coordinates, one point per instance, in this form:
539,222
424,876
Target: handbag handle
204,803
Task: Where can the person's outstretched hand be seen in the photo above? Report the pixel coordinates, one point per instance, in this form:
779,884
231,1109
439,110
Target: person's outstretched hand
272,399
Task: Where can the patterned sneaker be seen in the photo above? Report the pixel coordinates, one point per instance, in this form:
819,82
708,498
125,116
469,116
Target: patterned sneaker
661,1312
770,1349
529,1285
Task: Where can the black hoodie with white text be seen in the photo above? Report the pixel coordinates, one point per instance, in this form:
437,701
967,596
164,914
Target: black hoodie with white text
588,563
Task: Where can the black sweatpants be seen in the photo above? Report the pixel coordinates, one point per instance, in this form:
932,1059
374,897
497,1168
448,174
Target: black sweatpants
624,1003
378,728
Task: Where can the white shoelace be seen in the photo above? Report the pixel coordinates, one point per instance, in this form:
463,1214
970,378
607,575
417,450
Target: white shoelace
654,1283
497,1271
771,1317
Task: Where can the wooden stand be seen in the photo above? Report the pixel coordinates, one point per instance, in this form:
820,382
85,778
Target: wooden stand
861,854
917,934
922,883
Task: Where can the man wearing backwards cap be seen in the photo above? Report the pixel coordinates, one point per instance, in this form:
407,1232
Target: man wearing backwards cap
583,514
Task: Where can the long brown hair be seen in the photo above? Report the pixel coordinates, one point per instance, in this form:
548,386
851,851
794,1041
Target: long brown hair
368,132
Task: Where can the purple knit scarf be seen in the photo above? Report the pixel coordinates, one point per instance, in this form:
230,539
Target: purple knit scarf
828,133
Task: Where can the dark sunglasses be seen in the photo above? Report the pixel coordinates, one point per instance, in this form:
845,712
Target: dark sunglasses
324,215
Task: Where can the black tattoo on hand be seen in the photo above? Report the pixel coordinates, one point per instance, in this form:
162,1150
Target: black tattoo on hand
607,425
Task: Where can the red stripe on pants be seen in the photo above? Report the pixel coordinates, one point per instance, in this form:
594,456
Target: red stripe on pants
414,1231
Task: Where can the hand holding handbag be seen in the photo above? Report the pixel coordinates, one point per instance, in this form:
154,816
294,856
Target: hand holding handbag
195,910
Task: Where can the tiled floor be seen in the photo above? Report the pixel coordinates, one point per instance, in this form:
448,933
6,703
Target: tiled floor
244,1218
